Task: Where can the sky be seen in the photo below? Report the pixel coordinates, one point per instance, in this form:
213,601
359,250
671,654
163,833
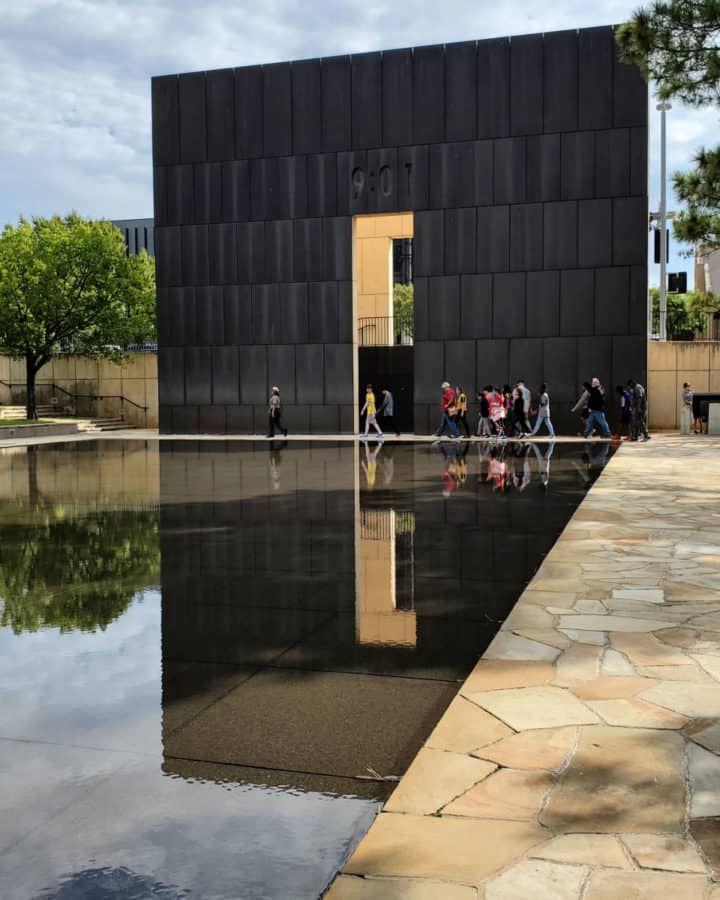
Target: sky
75,76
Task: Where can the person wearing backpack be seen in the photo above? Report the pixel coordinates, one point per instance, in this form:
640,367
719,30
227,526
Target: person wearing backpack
596,410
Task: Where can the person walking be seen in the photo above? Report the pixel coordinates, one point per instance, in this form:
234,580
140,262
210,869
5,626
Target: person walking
275,419
582,405
543,413
461,417
625,412
518,415
369,409
484,428
639,410
596,410
686,415
447,411
526,396
387,411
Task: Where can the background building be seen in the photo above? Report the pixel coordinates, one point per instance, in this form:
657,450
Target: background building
519,166
139,234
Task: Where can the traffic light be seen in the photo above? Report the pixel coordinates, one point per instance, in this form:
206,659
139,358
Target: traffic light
656,238
677,283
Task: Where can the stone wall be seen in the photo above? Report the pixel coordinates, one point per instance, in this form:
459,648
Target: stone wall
103,388
670,364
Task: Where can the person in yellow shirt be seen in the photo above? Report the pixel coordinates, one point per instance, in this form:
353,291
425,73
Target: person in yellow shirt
461,403
369,411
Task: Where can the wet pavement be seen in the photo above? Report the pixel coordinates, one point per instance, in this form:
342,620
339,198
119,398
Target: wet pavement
217,658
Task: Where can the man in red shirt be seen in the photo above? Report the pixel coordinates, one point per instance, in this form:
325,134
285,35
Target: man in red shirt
447,410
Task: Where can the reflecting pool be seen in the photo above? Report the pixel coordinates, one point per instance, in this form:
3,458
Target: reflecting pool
216,658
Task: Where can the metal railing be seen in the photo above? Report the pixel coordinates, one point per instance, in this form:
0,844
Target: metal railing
385,331
42,386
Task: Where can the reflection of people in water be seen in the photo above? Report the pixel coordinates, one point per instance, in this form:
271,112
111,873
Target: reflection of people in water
275,461
594,459
450,474
369,464
597,455
543,462
497,468
455,467
388,467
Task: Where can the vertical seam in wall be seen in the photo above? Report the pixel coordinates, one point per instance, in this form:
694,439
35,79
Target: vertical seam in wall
444,95
207,132
292,113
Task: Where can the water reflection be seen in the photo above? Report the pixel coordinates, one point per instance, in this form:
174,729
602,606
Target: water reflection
231,734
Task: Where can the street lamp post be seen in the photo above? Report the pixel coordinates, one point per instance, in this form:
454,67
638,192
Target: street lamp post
663,108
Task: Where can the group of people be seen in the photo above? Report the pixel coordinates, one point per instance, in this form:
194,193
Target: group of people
506,412
371,412
503,412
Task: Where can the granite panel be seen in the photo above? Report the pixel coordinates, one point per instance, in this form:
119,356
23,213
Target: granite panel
460,91
493,88
220,105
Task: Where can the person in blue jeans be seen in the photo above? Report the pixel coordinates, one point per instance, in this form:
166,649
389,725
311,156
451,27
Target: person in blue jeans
447,411
596,410
543,413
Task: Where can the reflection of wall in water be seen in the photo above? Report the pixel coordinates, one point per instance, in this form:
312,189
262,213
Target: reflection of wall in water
303,610
90,472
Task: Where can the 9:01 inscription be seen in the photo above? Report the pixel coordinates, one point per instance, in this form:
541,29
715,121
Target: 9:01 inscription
382,181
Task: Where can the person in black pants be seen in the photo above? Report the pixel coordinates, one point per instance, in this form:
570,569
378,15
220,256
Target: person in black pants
387,411
275,419
461,401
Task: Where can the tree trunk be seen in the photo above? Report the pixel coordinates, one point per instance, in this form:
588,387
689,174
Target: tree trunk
30,372
33,489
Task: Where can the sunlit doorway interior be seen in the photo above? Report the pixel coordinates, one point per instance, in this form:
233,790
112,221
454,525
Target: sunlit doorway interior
384,310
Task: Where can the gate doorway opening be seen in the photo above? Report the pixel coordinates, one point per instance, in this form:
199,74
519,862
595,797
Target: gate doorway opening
384,311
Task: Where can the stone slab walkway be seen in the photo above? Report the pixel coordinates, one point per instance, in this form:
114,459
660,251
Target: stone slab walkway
581,758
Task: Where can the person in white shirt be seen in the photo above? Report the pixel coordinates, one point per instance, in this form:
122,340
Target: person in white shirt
525,392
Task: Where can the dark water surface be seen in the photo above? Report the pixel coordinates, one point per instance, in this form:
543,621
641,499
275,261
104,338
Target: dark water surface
213,654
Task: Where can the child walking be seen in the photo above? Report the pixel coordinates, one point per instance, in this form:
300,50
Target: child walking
369,409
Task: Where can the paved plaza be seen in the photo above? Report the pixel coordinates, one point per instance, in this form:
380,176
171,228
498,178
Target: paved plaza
581,757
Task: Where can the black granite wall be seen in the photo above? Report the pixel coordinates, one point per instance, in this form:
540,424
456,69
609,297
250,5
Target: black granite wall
524,160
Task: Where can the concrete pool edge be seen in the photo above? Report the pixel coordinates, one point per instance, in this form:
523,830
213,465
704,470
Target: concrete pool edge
579,757
149,434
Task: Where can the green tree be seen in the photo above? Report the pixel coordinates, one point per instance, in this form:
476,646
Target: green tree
699,189
403,307
701,307
72,571
677,45
68,284
684,315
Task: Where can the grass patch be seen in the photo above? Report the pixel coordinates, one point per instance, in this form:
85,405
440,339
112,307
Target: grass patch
4,423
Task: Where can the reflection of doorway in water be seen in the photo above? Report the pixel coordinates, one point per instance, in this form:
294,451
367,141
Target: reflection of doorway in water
385,599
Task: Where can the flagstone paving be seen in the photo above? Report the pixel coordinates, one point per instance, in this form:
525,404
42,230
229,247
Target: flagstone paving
581,757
